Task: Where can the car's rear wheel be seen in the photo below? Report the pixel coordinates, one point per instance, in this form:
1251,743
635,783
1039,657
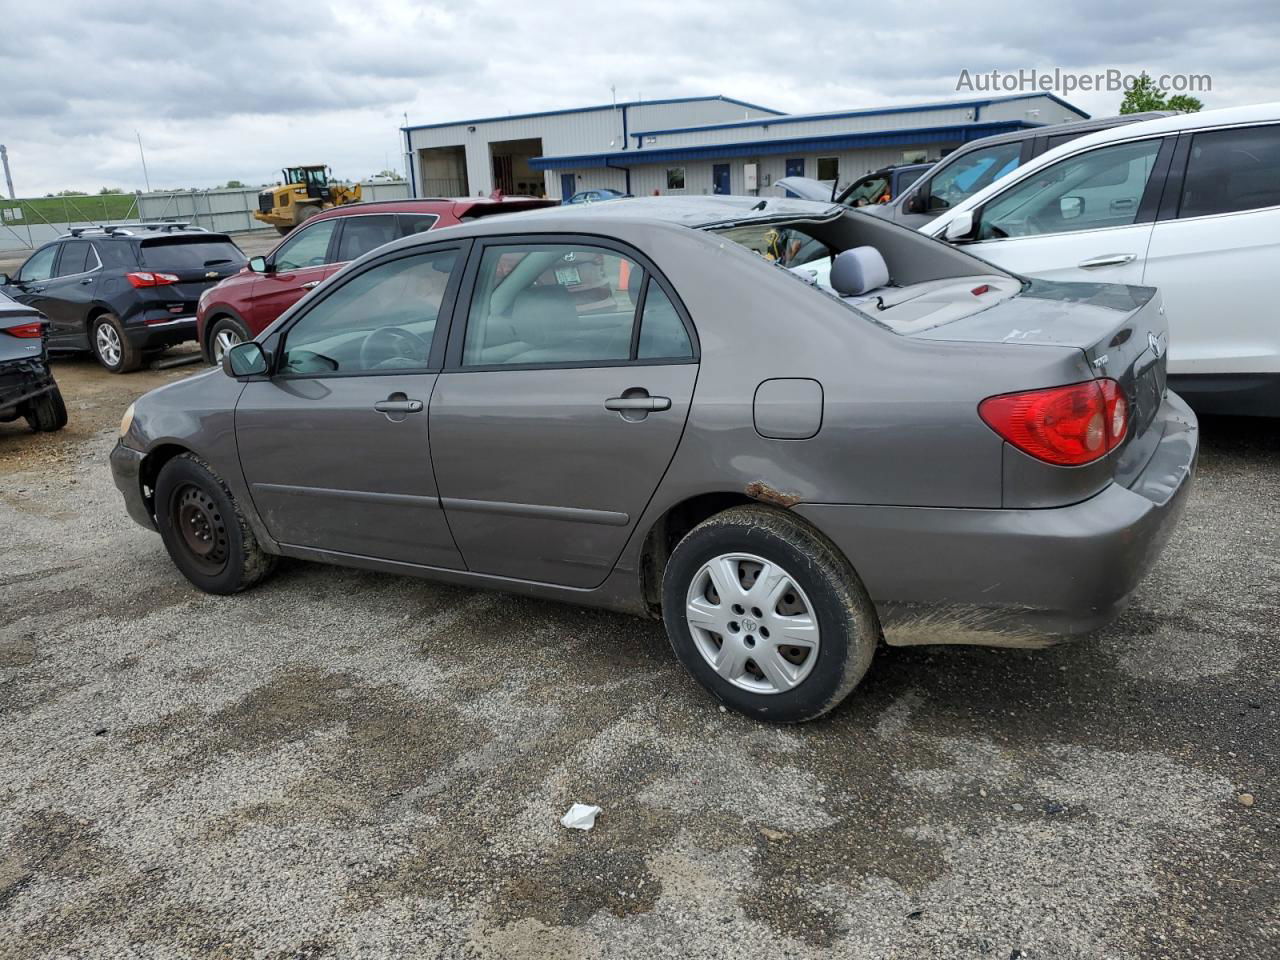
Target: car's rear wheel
47,412
226,333
767,615
204,531
110,346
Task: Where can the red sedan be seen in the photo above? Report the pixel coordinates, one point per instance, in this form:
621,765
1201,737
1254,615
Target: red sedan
245,304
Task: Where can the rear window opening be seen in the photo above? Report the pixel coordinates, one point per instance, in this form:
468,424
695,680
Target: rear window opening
902,280
182,253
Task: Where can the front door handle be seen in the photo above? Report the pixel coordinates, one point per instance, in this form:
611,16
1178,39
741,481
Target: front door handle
309,285
86,281
1107,260
646,404
398,406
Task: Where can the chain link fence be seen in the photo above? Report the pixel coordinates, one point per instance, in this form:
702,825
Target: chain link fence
27,223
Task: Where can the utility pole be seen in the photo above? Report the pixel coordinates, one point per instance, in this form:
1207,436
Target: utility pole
8,177
146,178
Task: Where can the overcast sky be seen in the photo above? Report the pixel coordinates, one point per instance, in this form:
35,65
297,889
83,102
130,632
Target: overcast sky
232,89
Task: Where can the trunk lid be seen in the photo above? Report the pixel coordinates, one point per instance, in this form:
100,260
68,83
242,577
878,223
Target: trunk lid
1121,330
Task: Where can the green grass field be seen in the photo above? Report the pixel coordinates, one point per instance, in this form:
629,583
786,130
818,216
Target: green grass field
98,209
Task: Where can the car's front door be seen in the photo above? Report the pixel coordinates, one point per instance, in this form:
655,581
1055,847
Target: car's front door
69,294
557,417
296,266
1086,217
29,285
1214,253
335,445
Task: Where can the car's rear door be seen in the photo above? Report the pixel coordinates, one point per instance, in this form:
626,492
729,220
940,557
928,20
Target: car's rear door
555,419
293,268
1215,249
1086,217
335,445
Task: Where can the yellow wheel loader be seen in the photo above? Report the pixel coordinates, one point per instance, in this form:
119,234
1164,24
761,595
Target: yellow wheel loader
306,191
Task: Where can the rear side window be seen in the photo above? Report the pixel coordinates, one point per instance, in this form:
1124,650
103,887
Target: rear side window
362,234
180,254
411,223
568,304
1232,170
117,253
662,332
77,257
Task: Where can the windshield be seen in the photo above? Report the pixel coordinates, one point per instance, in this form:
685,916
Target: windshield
963,178
868,190
180,254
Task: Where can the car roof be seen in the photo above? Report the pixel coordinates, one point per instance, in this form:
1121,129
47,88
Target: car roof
1256,113
457,206
695,211
1055,129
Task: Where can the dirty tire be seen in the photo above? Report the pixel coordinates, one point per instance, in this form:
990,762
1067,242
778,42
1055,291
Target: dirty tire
188,490
283,230
848,626
47,413
305,213
114,351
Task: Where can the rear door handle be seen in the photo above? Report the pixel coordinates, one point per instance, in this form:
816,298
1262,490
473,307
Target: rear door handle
398,406
646,404
1107,260
308,286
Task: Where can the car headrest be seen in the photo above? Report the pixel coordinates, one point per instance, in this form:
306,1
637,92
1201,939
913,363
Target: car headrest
539,313
857,270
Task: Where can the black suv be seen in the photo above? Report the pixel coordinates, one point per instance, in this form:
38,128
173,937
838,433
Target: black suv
123,291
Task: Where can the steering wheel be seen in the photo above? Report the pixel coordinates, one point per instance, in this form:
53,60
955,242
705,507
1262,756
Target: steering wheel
393,346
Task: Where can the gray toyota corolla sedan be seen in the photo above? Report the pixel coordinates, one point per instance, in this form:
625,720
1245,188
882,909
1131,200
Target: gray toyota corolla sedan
787,428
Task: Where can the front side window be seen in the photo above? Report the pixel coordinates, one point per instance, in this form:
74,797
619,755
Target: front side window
675,178
967,175
77,257
566,304
40,266
362,234
1101,188
309,247
382,319
1232,170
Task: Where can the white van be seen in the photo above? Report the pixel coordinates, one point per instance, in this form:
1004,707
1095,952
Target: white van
1189,204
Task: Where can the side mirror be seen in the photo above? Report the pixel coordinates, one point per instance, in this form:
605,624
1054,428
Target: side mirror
914,202
961,228
258,265
4,280
1070,207
245,360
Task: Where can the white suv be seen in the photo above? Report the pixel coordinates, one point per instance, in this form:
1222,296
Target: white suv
1189,204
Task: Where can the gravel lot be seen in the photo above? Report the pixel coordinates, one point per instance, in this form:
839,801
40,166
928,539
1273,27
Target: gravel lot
344,764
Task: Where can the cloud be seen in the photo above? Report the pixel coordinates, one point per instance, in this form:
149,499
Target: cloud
235,89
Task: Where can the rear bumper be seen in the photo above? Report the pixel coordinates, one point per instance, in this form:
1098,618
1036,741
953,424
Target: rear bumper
166,331
1017,577
20,380
126,470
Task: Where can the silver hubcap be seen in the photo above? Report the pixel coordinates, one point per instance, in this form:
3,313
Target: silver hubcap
108,342
752,623
223,341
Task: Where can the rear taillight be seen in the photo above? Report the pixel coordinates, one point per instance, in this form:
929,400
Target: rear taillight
28,331
1067,426
143,278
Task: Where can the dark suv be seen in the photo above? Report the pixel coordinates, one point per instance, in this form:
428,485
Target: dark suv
123,291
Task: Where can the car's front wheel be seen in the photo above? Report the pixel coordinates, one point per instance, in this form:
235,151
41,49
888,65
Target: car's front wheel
204,531
226,333
110,345
768,615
